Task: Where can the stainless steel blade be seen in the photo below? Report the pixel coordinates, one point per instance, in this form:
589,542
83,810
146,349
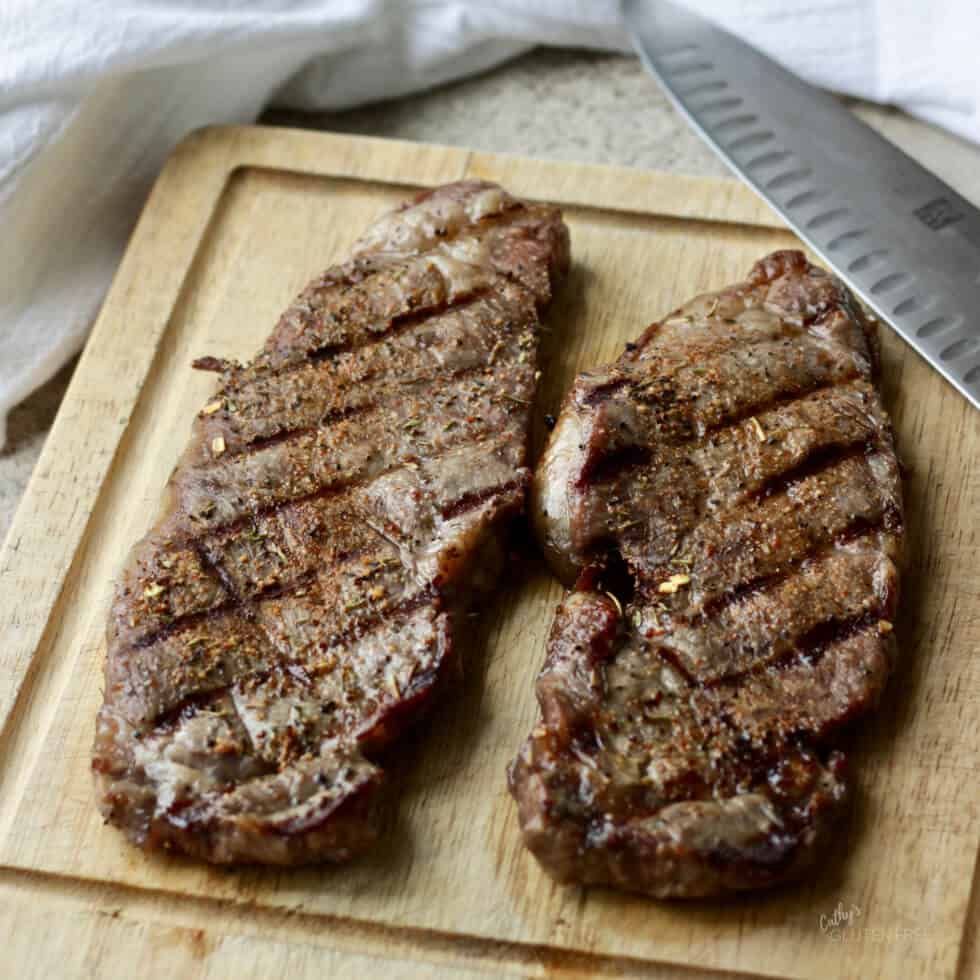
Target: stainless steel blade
904,241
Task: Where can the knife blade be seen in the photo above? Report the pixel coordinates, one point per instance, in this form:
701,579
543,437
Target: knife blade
904,241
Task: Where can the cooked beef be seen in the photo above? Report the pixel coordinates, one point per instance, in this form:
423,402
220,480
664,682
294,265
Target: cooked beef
727,501
342,501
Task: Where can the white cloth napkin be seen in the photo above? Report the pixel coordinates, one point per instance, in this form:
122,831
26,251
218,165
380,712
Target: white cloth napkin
95,93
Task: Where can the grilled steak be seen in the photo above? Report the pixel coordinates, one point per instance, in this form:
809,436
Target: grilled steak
727,497
340,504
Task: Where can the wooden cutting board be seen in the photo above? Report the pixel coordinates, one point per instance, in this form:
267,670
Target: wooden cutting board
239,221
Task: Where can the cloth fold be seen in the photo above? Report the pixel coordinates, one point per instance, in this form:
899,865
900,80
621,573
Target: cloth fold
94,95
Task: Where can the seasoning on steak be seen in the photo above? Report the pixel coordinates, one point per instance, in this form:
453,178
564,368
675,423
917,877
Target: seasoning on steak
340,504
728,499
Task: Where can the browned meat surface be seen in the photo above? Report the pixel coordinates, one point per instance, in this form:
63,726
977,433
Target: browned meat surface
340,504
727,499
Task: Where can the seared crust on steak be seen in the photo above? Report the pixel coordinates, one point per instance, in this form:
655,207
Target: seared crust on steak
340,503
732,477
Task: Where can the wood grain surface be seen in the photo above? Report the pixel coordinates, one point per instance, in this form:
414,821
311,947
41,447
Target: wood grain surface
238,222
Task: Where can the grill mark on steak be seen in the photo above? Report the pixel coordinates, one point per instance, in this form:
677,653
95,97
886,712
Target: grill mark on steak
321,493
891,523
392,616
608,467
187,622
370,290
388,391
246,603
815,643
171,719
486,412
243,604
776,619
782,400
371,620
858,530
401,323
750,543
290,386
600,393
605,391
334,416
633,352
470,501
816,463
807,649
341,502
669,657
413,326
219,573
736,466
476,437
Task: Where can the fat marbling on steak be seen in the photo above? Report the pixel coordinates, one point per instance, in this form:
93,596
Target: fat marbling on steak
727,501
340,504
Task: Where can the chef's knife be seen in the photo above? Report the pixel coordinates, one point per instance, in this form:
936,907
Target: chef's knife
904,241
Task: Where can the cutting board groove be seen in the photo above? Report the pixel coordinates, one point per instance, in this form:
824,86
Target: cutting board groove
238,222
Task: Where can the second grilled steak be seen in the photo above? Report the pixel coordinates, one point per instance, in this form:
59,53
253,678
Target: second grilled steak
728,499
340,504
